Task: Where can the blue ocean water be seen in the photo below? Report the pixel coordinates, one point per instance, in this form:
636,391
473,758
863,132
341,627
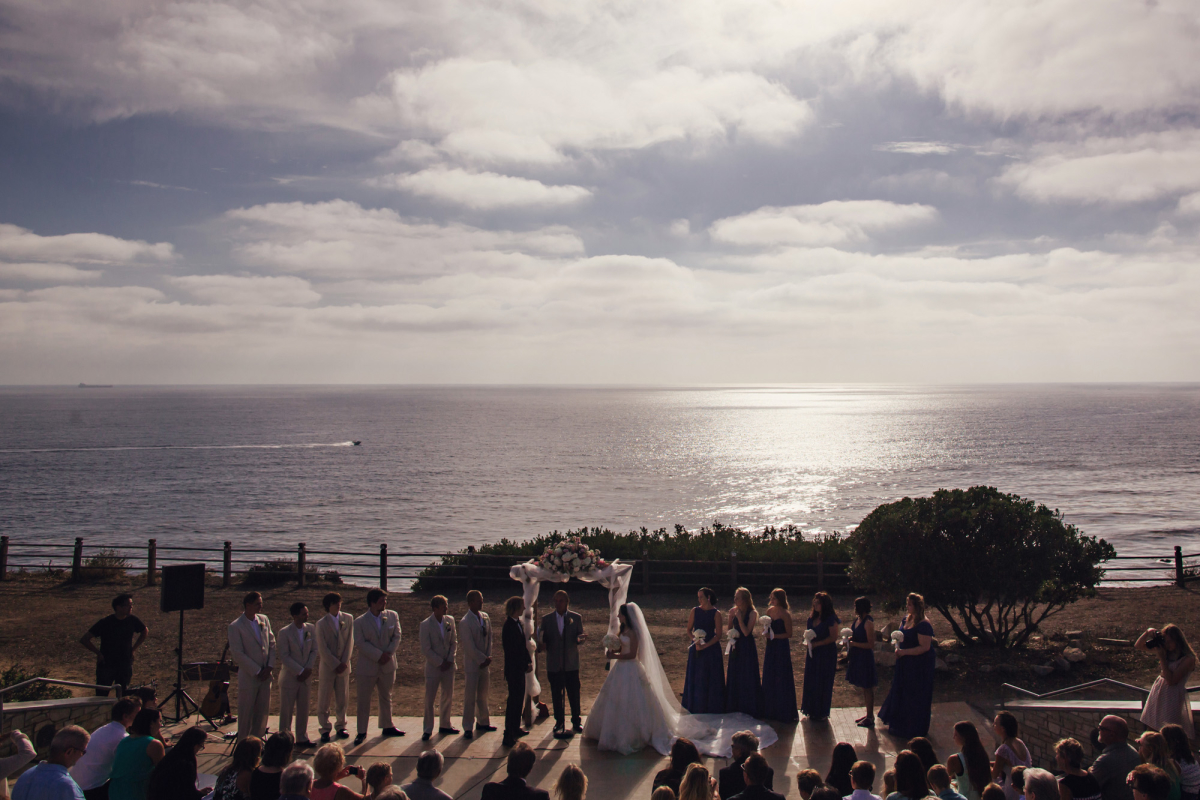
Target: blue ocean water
443,467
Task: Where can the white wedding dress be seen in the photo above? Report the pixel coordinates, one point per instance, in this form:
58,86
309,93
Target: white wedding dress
637,707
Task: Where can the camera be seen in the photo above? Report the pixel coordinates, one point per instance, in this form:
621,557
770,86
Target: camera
354,770
1156,640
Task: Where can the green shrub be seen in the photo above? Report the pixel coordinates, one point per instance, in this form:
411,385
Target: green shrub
37,691
105,566
280,571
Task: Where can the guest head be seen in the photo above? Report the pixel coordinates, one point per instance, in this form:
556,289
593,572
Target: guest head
392,793
993,791
976,762
826,793
329,761
122,605
475,600
916,606
924,750
779,599
743,743
277,751
147,694
683,752
521,759
938,778
910,775
438,606
296,780
1149,783
889,782
377,601
697,784
252,603
190,743
862,775
807,781
125,709
1017,778
1152,747
299,613
1177,744
378,777
862,606
147,722
756,770
562,601
1068,755
572,783
68,746
1040,785
843,759
663,793
246,754
707,598
514,606
332,603
430,764
1175,642
743,600
822,607
1005,726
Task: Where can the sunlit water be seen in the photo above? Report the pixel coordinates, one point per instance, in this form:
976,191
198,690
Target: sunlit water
443,467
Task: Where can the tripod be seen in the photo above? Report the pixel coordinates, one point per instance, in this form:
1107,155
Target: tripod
185,706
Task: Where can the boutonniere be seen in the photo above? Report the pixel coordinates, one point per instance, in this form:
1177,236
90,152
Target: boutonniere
307,635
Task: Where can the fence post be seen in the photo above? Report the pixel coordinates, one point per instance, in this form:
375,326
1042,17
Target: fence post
3,558
645,571
301,560
1179,581
820,570
733,581
383,566
77,559
227,571
470,567
151,561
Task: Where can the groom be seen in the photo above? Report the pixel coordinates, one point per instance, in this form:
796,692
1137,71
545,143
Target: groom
562,631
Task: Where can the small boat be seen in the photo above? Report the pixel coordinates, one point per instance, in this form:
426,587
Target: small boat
357,443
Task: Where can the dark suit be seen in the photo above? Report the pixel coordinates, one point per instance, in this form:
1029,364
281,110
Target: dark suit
756,793
516,659
512,789
670,778
731,780
562,662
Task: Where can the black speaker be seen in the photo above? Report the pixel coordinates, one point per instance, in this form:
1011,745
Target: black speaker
182,587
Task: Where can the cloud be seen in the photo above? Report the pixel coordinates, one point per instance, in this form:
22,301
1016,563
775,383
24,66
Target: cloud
835,222
19,244
483,190
917,148
248,290
1189,205
47,272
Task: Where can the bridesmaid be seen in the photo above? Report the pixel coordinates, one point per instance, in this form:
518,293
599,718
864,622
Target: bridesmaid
860,669
743,692
778,682
820,667
908,704
704,684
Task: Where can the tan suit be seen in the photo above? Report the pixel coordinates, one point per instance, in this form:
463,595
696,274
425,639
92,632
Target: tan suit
297,652
252,645
477,648
335,643
374,636
439,643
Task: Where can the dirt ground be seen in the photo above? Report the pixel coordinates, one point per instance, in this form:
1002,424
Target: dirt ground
43,619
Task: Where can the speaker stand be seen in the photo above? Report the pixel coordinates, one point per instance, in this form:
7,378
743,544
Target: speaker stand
185,706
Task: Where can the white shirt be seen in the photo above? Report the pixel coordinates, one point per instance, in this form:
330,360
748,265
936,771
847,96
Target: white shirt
300,635
378,620
441,626
255,628
92,770
560,618
337,622
861,794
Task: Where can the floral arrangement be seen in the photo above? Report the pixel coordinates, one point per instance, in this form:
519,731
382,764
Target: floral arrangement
809,636
612,642
571,557
731,635
845,634
699,636
897,639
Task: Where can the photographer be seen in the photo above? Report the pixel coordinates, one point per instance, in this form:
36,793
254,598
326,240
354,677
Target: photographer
330,764
1168,700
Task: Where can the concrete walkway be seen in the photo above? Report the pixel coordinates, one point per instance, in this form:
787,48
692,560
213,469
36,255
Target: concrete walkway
470,764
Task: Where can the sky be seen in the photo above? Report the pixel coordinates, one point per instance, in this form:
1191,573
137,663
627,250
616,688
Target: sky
630,192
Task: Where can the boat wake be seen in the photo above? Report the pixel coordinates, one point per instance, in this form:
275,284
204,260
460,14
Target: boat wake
182,447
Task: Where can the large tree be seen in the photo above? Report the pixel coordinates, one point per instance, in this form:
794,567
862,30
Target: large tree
994,565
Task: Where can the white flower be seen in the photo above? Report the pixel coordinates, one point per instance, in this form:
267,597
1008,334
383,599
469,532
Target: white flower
810,635
699,636
897,637
612,643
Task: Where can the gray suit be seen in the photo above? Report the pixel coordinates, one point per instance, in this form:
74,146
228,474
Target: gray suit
252,645
439,643
476,637
562,662
373,637
297,652
335,643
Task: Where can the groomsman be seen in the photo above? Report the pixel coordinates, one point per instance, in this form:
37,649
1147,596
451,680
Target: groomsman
335,643
439,643
298,654
517,662
562,632
252,645
377,635
476,629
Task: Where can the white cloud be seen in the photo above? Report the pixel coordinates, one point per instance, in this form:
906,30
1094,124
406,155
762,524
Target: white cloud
47,272
680,228
482,190
917,148
19,244
831,223
1189,205
284,290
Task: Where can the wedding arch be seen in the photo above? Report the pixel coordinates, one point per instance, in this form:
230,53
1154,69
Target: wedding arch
572,559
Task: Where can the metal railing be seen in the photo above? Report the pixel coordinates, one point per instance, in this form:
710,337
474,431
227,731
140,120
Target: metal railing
1079,688
116,687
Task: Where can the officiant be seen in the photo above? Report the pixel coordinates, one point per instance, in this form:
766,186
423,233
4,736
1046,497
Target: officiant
561,635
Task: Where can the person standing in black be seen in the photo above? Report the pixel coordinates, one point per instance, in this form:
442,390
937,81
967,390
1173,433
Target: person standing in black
114,656
517,662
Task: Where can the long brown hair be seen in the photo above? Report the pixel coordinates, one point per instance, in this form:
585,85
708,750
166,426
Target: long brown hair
1176,633
976,762
827,612
919,602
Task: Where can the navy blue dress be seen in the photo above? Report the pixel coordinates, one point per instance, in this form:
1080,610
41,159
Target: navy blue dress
909,702
819,671
743,691
778,682
704,685
860,669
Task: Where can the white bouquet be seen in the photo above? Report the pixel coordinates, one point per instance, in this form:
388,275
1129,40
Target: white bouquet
698,636
612,642
809,637
845,634
765,622
730,636
897,639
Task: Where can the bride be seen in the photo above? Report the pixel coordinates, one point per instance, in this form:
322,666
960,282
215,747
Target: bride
637,707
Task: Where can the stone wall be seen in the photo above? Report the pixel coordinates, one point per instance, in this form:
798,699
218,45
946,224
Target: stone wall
1042,726
41,719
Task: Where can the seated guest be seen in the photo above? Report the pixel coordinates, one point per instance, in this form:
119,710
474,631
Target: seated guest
330,765
808,781
429,766
862,778
663,793
277,754
683,752
50,779
826,793
147,694
843,759
392,793
136,756
993,791
1075,783
697,784
910,777
757,772
1146,782
521,759
1117,758
1152,747
233,782
1017,779
174,777
10,764
571,784
731,779
379,777
91,772
1040,785
1181,752
938,778
295,781
924,750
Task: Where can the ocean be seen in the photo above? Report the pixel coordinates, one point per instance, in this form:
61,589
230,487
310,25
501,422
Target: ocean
442,467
